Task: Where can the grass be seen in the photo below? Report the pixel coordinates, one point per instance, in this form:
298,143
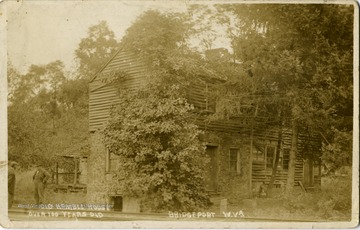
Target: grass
332,203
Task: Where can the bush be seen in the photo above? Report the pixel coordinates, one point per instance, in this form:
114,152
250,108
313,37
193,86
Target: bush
162,158
335,196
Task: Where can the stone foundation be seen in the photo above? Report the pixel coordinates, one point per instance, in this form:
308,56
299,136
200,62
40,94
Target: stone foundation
96,184
233,186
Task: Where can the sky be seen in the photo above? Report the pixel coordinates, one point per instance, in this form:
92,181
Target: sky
40,32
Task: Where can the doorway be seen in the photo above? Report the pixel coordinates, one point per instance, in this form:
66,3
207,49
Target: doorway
308,172
211,180
118,203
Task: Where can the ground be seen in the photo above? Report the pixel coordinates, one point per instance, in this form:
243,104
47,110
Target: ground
332,203
24,192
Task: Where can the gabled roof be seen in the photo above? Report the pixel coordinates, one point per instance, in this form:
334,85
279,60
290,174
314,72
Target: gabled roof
106,64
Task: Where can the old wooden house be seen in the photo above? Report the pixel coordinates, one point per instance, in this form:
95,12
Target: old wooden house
241,158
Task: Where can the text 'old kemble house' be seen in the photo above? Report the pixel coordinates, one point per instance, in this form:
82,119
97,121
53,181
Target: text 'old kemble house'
241,160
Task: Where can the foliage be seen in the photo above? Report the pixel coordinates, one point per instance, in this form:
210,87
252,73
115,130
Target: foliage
48,110
154,34
299,66
334,199
291,50
74,95
339,153
94,50
162,158
46,114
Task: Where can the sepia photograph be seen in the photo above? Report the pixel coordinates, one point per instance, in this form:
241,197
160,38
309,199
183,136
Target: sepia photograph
179,114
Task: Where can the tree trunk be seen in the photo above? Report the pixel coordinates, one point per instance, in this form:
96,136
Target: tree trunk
292,160
251,151
277,157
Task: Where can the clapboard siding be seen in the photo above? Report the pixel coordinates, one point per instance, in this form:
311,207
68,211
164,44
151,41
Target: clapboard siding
260,174
103,95
200,95
220,126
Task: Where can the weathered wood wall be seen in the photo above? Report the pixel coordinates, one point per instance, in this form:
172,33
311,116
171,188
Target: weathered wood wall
260,174
103,95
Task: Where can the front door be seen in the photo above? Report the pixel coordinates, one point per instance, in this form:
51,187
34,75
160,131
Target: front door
308,172
212,169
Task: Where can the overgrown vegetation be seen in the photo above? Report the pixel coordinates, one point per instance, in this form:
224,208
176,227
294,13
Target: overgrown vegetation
299,69
291,63
48,107
162,158
322,205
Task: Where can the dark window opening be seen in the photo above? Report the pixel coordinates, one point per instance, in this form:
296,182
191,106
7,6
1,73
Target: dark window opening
286,158
270,155
258,152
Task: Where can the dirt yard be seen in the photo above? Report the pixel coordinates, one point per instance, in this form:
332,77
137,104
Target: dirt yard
24,192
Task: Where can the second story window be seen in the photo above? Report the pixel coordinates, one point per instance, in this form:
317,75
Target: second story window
202,96
210,100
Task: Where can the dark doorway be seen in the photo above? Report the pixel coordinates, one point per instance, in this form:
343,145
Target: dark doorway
212,169
308,172
118,203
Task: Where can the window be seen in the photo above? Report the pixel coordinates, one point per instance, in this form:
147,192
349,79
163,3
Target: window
201,95
234,160
317,168
265,154
283,158
112,161
286,158
210,100
258,152
270,156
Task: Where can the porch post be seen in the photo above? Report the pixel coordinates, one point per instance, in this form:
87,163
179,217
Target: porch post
57,173
76,169
251,151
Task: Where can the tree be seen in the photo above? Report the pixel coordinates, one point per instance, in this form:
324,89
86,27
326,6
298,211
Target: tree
162,157
32,112
288,60
74,95
94,50
41,123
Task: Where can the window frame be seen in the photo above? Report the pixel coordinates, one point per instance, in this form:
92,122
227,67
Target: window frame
283,158
273,156
109,158
237,162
